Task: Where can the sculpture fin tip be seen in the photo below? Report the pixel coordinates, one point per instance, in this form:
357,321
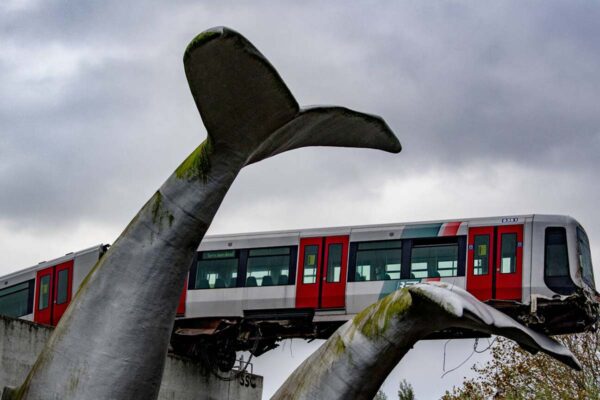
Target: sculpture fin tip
247,108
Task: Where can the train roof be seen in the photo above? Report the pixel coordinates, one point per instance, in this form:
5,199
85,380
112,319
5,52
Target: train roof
284,237
54,261
209,242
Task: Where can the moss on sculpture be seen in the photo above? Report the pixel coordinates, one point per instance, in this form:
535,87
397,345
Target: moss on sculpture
197,165
199,40
354,366
374,320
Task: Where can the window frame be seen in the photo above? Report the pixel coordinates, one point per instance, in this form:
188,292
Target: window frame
459,241
30,295
194,269
584,257
513,257
65,292
487,258
562,284
407,245
331,269
354,250
293,255
316,265
243,255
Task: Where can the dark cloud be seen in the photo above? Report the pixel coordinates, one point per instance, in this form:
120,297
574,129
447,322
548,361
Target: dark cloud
496,106
95,108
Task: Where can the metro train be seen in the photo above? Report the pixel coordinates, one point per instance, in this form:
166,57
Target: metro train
249,291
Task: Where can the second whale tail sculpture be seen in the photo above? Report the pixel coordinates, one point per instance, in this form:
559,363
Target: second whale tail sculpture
357,358
112,341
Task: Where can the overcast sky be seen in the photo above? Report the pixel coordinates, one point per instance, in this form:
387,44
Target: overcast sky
497,106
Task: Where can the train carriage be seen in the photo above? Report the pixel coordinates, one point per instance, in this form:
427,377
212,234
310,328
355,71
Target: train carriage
43,292
248,291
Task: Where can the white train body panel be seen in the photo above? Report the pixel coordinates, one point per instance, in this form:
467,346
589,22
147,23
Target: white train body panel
273,271
82,262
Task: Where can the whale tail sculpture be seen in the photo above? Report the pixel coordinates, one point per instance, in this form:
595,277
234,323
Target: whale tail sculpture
248,110
112,341
357,358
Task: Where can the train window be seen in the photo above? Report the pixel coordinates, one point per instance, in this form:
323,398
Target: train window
62,286
268,266
434,260
334,262
376,261
44,292
508,249
556,258
310,264
217,269
481,249
556,261
16,300
585,258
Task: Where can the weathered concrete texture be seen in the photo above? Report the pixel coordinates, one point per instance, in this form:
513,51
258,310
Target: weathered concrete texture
22,341
357,358
249,115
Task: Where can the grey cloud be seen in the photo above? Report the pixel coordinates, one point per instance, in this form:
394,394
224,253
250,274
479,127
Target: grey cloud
461,84
497,89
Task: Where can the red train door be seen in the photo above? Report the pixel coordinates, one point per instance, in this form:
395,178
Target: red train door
333,282
43,296
480,262
509,262
495,262
322,267
53,293
63,281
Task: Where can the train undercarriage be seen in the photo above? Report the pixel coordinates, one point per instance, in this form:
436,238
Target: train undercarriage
215,341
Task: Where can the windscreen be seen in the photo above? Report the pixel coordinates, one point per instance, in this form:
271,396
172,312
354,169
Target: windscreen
585,257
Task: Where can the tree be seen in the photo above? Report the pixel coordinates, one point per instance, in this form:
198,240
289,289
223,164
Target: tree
405,391
515,374
380,396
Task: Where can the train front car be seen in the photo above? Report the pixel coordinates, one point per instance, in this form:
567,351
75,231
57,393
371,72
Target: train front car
249,291
563,297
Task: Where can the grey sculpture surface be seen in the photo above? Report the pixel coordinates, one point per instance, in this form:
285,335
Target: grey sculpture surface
112,341
355,361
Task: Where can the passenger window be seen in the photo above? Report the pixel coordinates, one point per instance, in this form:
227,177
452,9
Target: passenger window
434,260
15,300
217,269
310,264
376,261
44,292
508,260
62,286
269,266
556,259
334,262
585,257
481,252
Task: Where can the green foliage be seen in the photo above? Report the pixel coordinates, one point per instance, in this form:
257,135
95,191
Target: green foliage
514,374
380,396
405,391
